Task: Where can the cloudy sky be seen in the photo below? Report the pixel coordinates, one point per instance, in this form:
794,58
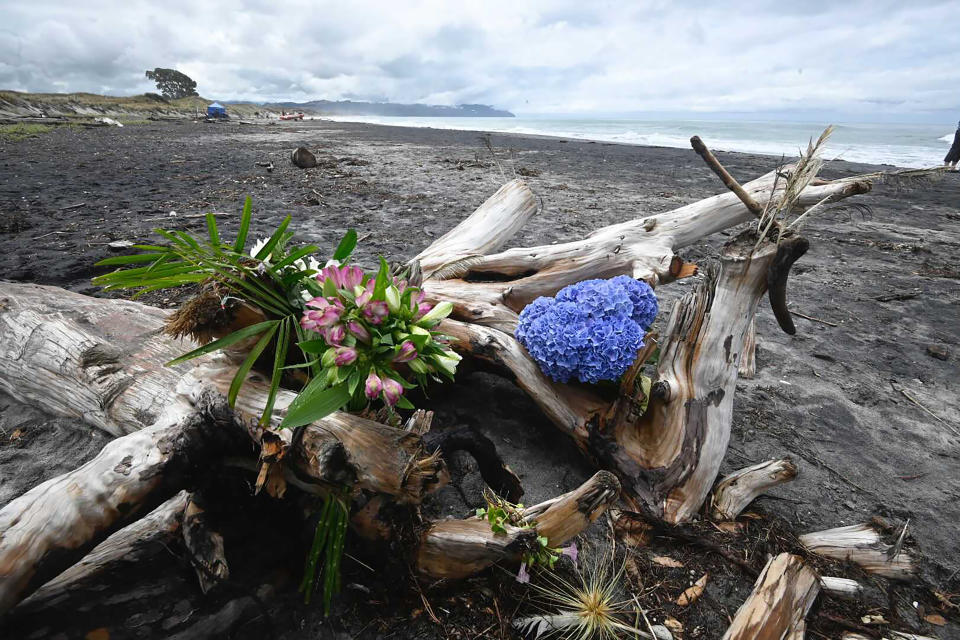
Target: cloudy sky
874,59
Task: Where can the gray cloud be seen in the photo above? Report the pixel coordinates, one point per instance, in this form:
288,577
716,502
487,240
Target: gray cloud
868,56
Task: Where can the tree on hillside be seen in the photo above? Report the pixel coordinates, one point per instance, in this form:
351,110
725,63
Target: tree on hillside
173,84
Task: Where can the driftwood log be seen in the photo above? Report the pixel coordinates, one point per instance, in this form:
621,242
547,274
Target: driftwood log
102,362
777,608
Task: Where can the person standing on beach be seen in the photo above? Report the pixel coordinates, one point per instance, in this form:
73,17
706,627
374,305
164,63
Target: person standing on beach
954,154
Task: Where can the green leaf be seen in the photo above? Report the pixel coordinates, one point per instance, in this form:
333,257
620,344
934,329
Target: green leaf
212,231
277,236
186,237
293,257
279,359
315,403
302,365
132,259
353,381
403,403
241,242
383,279
346,246
313,346
244,369
329,288
226,341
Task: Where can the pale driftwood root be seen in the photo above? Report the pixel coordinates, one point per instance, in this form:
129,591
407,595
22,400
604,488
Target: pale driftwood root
733,493
143,539
52,526
643,248
494,223
841,587
460,548
861,544
87,358
777,608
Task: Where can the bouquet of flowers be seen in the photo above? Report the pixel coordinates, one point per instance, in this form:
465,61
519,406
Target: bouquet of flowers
365,338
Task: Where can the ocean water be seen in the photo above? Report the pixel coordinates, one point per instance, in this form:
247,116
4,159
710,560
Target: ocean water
903,145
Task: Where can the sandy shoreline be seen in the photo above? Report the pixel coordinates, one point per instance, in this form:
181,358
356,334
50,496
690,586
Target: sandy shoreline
882,288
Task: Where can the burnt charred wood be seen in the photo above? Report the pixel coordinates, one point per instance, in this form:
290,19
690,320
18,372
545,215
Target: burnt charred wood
494,471
789,250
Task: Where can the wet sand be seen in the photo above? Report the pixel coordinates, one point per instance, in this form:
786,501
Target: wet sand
843,397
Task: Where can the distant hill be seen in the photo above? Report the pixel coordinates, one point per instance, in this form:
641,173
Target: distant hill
351,108
17,104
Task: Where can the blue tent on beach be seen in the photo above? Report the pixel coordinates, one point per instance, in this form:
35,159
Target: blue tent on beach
216,110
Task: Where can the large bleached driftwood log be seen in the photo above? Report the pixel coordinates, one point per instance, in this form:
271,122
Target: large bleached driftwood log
668,458
492,289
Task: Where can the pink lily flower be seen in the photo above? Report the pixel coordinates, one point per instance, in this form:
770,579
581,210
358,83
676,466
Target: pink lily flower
392,390
373,386
376,312
345,356
422,309
367,293
406,353
351,276
314,320
334,335
332,273
358,330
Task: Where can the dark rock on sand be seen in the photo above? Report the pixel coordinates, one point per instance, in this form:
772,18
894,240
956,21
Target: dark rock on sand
303,158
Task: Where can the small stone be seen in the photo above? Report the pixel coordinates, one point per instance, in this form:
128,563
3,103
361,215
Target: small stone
117,245
938,351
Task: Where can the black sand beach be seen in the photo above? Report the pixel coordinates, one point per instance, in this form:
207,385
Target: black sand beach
864,397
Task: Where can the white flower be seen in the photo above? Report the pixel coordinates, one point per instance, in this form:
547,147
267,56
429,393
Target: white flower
259,244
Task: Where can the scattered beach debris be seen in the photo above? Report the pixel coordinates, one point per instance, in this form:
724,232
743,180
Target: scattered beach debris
108,121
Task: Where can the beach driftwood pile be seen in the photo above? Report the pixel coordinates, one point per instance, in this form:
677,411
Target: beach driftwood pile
102,361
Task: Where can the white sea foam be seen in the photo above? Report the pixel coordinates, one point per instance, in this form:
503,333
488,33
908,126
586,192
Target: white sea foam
900,145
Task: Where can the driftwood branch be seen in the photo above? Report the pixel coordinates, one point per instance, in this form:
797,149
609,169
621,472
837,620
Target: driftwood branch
728,180
777,608
861,544
736,491
460,548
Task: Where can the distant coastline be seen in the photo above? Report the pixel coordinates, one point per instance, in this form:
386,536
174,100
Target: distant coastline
17,104
351,108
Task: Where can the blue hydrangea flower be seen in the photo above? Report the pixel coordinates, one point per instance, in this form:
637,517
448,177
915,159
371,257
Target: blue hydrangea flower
644,301
591,331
